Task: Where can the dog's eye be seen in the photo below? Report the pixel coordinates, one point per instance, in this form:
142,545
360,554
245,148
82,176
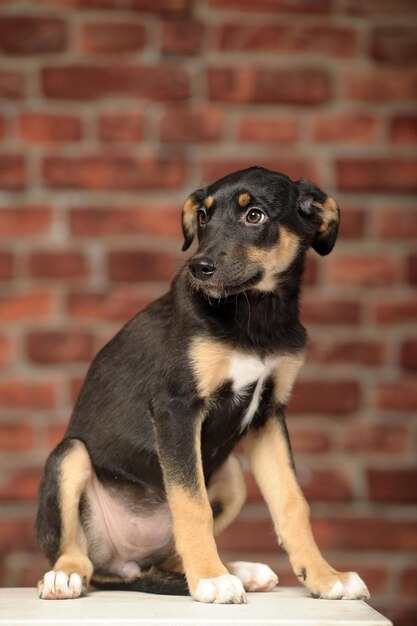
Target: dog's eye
202,217
255,216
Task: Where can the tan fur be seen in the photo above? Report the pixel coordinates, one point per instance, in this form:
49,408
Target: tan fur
270,461
228,487
276,260
285,374
329,212
210,363
75,473
208,202
244,199
188,215
193,526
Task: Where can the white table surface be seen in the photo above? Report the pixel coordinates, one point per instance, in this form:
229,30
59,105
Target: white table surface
285,606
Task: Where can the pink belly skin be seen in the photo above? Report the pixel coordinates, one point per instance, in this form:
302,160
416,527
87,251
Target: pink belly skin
120,531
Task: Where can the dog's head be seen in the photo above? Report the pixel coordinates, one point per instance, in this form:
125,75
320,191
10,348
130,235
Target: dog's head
251,227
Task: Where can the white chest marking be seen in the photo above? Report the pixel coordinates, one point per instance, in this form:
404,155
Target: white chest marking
244,371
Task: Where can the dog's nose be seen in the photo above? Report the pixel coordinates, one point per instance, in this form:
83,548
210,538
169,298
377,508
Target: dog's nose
202,267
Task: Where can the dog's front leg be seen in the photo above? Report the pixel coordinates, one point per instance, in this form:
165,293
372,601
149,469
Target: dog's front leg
269,453
179,448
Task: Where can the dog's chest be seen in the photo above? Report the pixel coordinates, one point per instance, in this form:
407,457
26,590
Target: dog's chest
244,372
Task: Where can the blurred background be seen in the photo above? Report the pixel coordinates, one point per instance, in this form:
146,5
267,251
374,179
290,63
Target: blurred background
113,111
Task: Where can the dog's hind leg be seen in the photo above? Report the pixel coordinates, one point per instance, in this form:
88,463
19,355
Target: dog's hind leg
227,493
59,529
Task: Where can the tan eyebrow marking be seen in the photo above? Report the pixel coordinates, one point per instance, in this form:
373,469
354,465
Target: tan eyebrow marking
244,199
208,202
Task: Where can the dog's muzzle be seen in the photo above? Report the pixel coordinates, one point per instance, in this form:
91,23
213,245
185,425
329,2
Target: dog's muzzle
202,267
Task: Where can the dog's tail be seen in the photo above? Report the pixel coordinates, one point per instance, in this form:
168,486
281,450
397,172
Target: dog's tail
153,580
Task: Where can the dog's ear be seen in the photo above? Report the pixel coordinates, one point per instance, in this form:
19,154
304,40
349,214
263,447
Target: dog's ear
189,220
321,213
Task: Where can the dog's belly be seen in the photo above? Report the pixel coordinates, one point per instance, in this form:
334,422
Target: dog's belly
120,530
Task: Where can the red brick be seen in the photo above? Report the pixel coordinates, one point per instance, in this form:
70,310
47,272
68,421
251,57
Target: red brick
366,270
48,127
119,304
412,269
378,7
268,85
31,35
17,534
56,433
59,346
403,128
340,533
381,85
21,486
393,224
18,393
12,172
175,7
392,485
26,305
57,264
345,127
182,36
6,351
399,395
365,533
24,221
121,127
361,351
112,37
376,438
329,397
274,6
113,172
33,566
326,311
201,123
6,266
309,440
378,174
2,127
394,44
409,582
408,356
326,38
16,436
135,266
396,311
294,167
12,84
94,222
268,129
88,82
352,224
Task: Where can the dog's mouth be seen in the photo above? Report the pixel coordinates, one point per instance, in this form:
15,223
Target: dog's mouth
220,290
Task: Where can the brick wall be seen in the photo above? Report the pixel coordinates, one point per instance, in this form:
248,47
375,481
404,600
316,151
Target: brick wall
111,113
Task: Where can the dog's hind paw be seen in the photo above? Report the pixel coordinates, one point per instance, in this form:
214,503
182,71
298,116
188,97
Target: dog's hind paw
254,576
60,586
221,590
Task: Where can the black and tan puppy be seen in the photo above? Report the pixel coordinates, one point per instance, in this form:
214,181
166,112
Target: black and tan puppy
145,476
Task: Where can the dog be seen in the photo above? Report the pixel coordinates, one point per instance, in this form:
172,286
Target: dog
145,476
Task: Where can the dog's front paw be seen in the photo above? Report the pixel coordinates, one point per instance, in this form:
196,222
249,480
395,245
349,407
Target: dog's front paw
221,590
342,586
60,586
254,576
